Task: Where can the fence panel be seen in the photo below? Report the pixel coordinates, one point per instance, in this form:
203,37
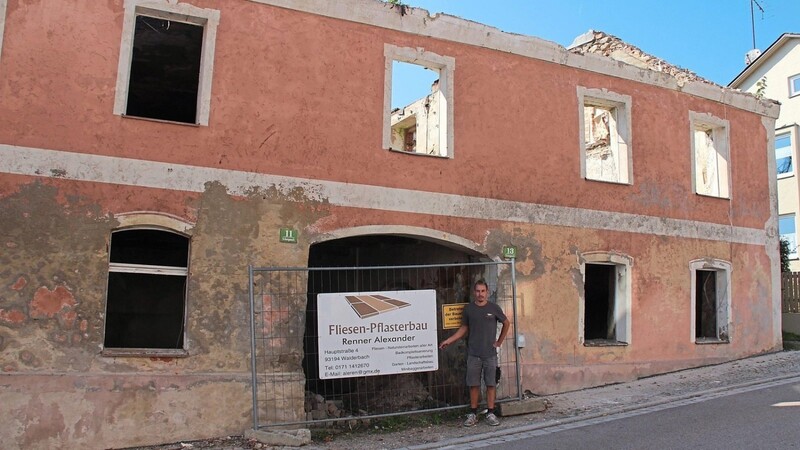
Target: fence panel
790,292
288,388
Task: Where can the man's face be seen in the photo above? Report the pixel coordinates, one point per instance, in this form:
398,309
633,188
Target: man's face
481,294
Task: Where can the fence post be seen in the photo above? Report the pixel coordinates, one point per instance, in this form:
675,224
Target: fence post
253,347
516,332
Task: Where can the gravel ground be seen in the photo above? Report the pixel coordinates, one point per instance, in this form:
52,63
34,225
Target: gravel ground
566,406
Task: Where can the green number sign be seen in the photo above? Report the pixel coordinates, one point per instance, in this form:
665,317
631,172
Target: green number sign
288,235
509,252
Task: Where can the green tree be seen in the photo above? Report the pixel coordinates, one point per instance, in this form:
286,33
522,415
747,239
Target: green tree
785,251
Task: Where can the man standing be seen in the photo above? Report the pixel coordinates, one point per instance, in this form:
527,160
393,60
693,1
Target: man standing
480,322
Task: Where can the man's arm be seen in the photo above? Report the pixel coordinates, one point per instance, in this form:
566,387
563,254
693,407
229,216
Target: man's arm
462,330
503,333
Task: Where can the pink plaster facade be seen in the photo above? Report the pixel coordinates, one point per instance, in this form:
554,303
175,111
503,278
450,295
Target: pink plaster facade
298,95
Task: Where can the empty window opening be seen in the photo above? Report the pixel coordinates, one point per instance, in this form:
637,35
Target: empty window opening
417,116
605,130
418,102
710,155
707,162
165,69
166,61
606,303
783,154
601,150
146,297
410,139
599,289
711,300
706,304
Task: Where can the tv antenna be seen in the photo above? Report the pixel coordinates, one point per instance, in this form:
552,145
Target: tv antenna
753,18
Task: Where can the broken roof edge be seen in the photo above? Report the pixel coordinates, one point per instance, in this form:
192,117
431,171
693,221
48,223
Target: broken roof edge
610,46
598,43
455,29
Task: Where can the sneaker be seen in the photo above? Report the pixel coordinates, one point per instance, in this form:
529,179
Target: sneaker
472,420
492,420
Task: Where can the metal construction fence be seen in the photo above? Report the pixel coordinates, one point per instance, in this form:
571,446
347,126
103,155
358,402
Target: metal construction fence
302,376
790,292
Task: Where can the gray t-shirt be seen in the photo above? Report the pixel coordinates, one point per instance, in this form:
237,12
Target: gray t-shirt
482,322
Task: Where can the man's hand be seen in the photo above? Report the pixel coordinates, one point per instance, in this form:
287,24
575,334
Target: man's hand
497,343
456,336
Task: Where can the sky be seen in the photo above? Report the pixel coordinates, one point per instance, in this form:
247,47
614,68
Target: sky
708,37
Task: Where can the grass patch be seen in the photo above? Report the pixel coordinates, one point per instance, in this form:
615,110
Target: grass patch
788,336
323,433
399,423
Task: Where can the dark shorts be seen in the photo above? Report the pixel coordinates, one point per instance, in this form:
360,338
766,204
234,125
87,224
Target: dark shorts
476,365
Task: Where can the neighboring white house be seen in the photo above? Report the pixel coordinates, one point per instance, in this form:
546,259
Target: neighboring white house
775,74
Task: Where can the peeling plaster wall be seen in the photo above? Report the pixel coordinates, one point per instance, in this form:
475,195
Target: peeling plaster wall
57,384
550,289
281,151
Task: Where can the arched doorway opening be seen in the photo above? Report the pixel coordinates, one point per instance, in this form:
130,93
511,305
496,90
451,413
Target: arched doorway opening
419,257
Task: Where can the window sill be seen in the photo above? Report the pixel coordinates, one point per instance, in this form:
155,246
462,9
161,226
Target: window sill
604,343
712,196
172,122
785,175
707,341
418,154
596,180
145,352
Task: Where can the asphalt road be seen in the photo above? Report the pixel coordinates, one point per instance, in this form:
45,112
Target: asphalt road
756,418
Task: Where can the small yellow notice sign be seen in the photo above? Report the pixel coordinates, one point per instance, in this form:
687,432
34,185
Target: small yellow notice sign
451,315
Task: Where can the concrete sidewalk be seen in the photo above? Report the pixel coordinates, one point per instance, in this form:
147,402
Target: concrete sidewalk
593,403
563,410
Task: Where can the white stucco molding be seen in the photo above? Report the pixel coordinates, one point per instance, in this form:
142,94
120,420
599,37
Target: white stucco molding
440,237
606,256
773,237
451,28
145,219
183,12
3,4
160,175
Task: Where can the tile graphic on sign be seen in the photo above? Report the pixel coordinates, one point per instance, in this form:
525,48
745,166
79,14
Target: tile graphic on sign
372,305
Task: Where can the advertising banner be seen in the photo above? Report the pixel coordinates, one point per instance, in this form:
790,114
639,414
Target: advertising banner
376,333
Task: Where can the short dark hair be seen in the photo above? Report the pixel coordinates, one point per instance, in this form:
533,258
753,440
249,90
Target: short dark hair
483,282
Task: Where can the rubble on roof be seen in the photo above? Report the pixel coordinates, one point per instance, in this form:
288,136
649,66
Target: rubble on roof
604,44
